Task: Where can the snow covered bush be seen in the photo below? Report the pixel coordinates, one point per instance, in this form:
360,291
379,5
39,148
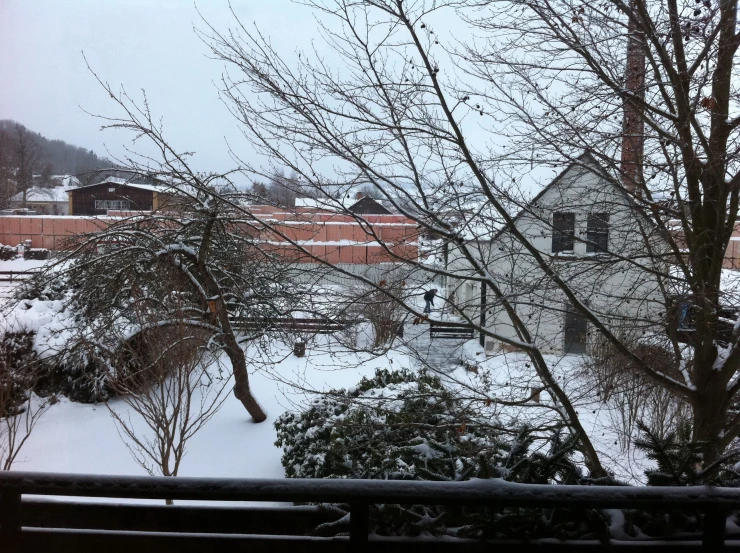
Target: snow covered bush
408,425
47,314
397,425
18,370
7,252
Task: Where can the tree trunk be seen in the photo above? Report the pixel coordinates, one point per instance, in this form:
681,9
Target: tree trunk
236,354
242,390
710,416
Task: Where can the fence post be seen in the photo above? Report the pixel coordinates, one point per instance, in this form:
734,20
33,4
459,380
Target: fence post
10,520
713,538
359,526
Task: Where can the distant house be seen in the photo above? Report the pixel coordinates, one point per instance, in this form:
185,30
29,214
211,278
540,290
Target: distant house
116,194
47,200
574,222
368,206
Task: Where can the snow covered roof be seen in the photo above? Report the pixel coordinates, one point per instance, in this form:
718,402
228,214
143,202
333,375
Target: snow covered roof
52,194
124,182
316,203
114,180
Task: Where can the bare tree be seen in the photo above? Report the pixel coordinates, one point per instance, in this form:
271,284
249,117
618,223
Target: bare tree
7,186
202,239
549,80
172,385
27,157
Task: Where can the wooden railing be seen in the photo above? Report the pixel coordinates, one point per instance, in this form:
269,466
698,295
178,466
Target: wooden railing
16,276
31,520
301,324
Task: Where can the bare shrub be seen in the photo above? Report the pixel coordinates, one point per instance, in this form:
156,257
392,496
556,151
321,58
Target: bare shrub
632,397
20,409
380,308
164,379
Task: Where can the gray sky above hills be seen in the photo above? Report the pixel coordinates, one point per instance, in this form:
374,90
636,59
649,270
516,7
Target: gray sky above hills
150,45
140,44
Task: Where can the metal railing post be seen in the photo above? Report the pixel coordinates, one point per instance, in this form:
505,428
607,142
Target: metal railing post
715,520
10,520
359,526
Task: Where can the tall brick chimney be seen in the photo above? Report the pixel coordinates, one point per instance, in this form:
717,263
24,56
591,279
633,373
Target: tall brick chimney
633,125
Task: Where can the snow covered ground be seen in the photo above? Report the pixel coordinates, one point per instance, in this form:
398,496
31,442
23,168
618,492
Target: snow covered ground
19,265
77,438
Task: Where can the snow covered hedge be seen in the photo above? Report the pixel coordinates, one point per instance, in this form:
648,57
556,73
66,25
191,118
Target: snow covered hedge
407,425
401,425
44,324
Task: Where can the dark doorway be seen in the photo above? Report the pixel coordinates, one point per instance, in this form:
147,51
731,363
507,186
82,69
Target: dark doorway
574,331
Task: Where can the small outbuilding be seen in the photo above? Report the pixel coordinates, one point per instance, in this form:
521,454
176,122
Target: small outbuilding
116,194
46,200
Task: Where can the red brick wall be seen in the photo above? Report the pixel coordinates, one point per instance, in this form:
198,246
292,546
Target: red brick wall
335,238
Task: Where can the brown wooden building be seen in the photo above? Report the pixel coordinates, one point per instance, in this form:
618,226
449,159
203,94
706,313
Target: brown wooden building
115,195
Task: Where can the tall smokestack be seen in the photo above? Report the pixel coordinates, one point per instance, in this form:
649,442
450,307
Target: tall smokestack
633,125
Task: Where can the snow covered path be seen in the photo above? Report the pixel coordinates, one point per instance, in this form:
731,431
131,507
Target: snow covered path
441,354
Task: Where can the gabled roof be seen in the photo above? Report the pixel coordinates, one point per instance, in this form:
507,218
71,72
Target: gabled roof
581,161
368,206
52,194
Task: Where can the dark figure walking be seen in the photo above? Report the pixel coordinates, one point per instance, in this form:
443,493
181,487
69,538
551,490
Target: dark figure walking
429,298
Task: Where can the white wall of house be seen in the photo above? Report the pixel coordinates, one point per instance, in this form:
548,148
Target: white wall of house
617,285
42,207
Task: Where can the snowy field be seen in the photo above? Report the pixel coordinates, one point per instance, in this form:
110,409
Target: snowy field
78,438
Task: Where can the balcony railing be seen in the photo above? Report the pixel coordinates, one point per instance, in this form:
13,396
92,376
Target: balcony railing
32,517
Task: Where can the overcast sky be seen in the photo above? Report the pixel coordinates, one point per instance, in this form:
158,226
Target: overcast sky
141,44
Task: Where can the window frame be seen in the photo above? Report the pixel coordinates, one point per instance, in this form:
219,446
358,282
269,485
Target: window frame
597,233
563,239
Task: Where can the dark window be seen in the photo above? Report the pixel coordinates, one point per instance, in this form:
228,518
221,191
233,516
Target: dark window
575,330
598,232
111,204
563,232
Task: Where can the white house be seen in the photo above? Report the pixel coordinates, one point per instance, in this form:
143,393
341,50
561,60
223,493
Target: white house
47,200
594,236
